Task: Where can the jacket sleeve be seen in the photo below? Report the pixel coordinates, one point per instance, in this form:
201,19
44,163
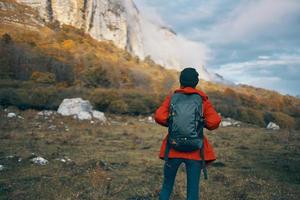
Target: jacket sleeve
212,118
162,113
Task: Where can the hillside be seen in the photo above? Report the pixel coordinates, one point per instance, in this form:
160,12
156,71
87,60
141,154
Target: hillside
44,62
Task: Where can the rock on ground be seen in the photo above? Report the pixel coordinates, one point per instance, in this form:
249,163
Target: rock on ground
64,160
99,115
46,112
39,160
83,115
80,109
11,115
229,122
74,106
225,123
1,167
273,126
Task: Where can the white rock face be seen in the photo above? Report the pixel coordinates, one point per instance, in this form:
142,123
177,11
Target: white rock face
80,109
121,22
11,115
40,161
114,20
273,126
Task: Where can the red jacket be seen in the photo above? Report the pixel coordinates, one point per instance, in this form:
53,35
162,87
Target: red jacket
212,121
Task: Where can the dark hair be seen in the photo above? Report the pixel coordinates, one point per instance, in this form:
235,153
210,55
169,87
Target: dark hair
189,77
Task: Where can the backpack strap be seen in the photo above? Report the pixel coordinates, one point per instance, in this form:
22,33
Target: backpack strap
168,147
204,169
201,135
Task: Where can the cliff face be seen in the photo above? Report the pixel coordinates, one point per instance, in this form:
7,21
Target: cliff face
121,22
113,20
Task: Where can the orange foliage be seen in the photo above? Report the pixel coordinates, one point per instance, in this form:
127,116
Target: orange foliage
68,44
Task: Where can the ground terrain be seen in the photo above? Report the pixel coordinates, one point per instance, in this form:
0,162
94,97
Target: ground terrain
119,160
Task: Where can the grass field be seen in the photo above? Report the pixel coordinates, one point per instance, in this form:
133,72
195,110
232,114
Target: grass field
119,160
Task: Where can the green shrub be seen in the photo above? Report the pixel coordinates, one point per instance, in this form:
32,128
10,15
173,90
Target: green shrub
101,76
37,98
140,79
137,107
124,101
140,102
227,111
118,106
251,116
102,98
8,97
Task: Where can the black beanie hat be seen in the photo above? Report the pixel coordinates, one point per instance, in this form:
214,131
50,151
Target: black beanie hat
189,77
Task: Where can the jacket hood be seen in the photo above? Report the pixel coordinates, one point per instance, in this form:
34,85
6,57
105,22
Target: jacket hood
190,90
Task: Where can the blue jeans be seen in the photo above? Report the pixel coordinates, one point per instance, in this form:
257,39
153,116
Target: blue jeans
193,171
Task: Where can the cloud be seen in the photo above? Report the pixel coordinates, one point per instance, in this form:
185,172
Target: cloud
166,48
151,13
279,72
202,10
263,57
250,19
261,63
255,42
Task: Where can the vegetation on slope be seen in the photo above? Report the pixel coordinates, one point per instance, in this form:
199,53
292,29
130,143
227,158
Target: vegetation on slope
42,65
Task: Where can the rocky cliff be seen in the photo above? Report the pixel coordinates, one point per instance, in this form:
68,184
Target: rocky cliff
113,20
121,22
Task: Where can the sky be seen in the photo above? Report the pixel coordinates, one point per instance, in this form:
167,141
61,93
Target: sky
254,42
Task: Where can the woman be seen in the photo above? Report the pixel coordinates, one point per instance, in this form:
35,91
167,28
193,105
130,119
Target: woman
188,82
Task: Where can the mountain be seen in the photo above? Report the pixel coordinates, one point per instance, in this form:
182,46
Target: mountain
122,23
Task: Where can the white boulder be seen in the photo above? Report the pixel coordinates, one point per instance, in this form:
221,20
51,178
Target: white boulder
99,115
64,160
74,106
225,123
150,119
39,160
20,117
273,126
80,109
229,122
11,115
1,167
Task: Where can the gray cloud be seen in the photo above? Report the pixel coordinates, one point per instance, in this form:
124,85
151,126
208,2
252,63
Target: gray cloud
277,73
237,33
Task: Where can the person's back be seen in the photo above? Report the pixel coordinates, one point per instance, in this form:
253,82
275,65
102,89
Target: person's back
192,159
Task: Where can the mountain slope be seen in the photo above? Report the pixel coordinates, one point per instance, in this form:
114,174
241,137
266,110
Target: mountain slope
123,24
42,63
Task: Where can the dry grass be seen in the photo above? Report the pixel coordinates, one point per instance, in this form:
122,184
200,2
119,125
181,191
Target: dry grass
120,161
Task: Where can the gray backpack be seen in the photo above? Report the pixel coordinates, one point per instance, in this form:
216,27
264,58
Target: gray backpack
185,124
